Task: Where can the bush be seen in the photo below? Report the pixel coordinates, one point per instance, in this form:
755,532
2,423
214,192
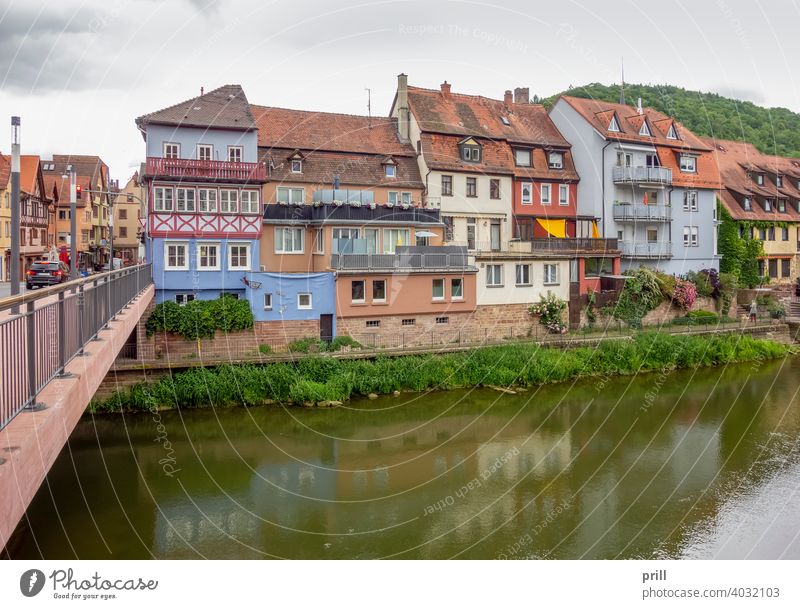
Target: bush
342,341
643,292
200,318
684,294
549,310
264,349
308,344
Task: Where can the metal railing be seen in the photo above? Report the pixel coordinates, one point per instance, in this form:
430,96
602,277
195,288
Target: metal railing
573,244
644,249
212,170
41,332
640,211
400,261
647,175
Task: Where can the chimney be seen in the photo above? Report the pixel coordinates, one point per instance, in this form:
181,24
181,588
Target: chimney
639,106
508,99
402,108
201,91
445,88
522,95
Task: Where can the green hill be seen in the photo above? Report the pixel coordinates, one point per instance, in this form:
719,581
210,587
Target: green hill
772,130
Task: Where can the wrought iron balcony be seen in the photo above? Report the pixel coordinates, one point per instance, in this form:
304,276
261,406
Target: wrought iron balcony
193,169
646,249
406,259
639,211
643,175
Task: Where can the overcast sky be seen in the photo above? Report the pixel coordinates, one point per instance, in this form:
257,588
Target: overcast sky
79,72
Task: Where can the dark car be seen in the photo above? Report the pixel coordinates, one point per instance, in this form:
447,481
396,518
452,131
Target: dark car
46,273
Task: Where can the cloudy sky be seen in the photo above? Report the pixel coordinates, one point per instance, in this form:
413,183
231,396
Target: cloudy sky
79,71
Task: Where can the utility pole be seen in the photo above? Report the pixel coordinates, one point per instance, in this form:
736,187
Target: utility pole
73,222
15,209
111,234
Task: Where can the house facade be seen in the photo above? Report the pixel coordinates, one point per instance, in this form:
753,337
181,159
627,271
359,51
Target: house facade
762,194
36,215
650,182
5,215
127,222
202,184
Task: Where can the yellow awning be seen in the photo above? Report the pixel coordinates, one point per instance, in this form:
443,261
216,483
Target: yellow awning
595,232
557,228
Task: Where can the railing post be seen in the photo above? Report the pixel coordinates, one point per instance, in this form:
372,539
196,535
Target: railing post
62,338
81,320
30,337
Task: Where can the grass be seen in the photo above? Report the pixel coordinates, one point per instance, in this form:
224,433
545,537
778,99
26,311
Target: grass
318,378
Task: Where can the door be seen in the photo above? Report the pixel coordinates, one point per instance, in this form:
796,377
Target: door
495,236
326,327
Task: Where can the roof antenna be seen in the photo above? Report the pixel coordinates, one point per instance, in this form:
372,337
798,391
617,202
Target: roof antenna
622,87
369,106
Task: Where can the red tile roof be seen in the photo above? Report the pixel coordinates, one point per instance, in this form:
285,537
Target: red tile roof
222,108
5,170
28,173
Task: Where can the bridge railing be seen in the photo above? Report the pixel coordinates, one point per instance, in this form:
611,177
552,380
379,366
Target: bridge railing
42,331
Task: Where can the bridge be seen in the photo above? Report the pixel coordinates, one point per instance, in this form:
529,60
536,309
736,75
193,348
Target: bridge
56,346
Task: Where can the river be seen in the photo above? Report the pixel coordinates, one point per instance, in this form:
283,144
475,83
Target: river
695,464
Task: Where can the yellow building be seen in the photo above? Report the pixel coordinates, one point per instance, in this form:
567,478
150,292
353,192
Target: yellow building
5,213
127,213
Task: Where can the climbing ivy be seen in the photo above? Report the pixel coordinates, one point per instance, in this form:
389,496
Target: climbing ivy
739,254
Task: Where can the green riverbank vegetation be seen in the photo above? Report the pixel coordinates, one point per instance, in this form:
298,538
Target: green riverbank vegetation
322,380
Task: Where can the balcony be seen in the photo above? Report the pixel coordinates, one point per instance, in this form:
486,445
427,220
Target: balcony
567,245
645,249
407,259
319,213
638,211
642,175
216,171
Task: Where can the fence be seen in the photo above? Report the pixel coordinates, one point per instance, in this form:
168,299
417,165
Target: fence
40,334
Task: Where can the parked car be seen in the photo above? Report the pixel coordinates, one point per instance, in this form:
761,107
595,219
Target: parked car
44,273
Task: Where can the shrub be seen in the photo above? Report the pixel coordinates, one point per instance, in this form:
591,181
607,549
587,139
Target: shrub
728,283
642,292
684,294
200,318
265,349
343,341
549,310
306,345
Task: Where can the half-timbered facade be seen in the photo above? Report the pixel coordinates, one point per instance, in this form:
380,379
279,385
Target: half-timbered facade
203,190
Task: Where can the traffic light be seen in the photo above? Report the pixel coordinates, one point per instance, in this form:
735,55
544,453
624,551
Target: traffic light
78,189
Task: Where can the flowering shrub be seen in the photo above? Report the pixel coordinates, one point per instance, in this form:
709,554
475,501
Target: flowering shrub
548,310
684,294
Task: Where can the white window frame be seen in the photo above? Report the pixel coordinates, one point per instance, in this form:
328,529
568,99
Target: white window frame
163,190
748,204
281,230
461,283
204,207
529,200
687,167
517,270
184,298
186,203
555,271
695,236
268,301
305,307
767,204
434,297
559,164
378,300
690,200
542,189
490,283
686,236
390,245
390,171
289,192
613,125
239,149
248,249
405,198
182,267
563,194
231,198
319,241
204,148
215,245
363,298
527,151
252,197
166,146
296,163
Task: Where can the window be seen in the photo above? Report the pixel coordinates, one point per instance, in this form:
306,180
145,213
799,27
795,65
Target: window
522,158
207,200
651,160
523,274
288,240
784,233
785,267
228,201
545,190
762,234
527,190
319,241
644,129
205,152
779,181
471,153
494,275
760,179
550,274
471,233
672,134
747,205
767,204
208,257
163,199
494,189
594,267
123,232
613,125
175,258
624,159
235,154
563,194
290,195
438,289
357,291
771,233
443,320
390,171
447,186
379,290
449,228
472,187
182,299
392,237
688,164
409,322
268,302
304,301
555,160
184,199
690,236
373,323
62,215
782,205
457,289
690,200
392,197
239,256
249,202
297,166
406,198
652,235
773,268
84,236
123,214
372,240
172,151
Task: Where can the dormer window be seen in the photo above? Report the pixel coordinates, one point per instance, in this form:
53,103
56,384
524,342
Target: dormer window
522,157
759,178
645,130
672,133
555,160
297,166
767,204
747,204
470,151
390,171
779,181
504,120
688,163
614,124
782,205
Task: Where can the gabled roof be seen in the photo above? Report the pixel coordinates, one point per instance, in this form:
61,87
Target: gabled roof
328,131
222,108
598,114
5,170
29,175
458,114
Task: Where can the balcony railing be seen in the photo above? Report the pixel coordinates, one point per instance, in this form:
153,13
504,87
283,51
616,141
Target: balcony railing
406,259
639,211
572,244
644,175
205,170
645,249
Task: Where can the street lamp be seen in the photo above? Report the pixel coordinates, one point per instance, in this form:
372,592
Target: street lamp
15,208
73,221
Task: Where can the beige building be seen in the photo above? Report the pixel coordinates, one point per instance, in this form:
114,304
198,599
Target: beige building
127,216
5,213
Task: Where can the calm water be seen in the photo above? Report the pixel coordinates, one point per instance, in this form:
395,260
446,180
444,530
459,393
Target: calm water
691,464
